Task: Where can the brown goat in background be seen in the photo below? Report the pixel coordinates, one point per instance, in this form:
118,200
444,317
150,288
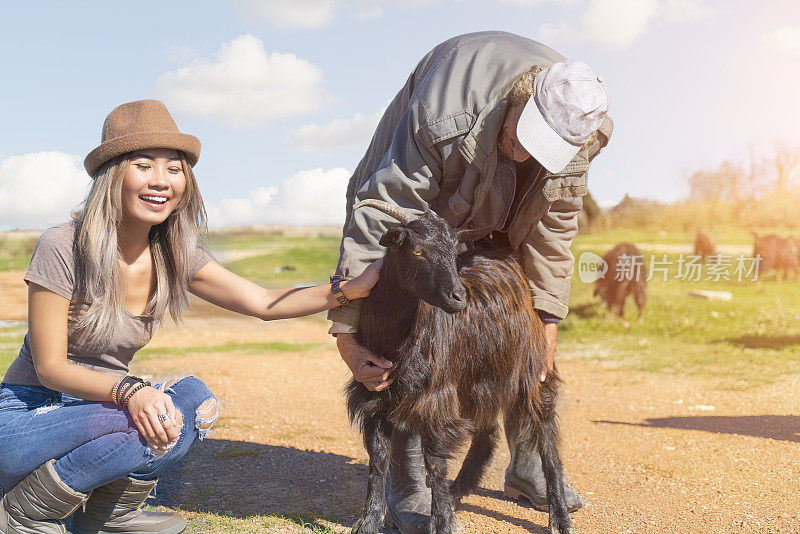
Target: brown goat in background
704,245
777,253
621,281
466,347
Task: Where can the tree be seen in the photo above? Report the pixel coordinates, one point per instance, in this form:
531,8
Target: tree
786,164
726,183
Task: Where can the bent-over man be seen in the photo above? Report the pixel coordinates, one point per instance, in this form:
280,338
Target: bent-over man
493,132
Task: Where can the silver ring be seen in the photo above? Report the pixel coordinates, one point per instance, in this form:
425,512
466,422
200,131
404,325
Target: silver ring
163,417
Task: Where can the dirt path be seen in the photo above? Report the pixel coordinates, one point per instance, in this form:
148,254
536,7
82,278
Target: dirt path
653,453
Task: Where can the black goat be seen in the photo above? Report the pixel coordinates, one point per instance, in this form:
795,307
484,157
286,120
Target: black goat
466,346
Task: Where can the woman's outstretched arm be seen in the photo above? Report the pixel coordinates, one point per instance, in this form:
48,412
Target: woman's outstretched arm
216,284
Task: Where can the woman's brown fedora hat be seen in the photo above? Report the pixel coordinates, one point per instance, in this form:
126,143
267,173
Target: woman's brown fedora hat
136,126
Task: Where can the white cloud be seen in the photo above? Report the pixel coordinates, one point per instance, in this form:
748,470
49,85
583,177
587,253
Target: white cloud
310,197
785,40
686,11
614,23
335,135
294,14
40,189
619,23
243,85
236,211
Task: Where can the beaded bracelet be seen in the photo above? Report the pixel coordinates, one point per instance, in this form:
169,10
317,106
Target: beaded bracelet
125,386
139,386
115,388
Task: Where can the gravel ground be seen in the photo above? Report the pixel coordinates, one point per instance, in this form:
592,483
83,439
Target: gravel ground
652,453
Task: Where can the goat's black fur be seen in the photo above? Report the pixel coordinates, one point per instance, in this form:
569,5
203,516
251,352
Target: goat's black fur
454,373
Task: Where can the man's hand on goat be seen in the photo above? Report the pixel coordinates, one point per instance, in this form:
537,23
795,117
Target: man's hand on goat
551,337
368,368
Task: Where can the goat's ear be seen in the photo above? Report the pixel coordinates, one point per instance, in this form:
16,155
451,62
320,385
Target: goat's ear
394,237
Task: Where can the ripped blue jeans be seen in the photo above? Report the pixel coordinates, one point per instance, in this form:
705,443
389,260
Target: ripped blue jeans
93,443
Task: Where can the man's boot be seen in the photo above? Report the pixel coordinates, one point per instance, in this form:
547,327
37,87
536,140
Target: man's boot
525,478
38,503
116,508
408,497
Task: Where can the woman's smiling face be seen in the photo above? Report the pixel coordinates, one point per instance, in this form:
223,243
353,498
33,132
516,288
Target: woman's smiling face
152,186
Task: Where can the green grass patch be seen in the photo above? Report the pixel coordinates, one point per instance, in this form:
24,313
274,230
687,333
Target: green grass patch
722,235
19,263
311,522
247,239
12,338
15,252
211,523
230,348
750,340
7,356
10,341
311,261
632,235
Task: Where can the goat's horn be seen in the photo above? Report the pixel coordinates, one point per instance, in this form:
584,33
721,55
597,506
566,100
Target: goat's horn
401,214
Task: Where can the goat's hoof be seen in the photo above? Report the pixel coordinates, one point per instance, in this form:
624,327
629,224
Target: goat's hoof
365,525
558,526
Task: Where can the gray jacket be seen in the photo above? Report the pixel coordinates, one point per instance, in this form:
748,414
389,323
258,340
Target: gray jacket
436,148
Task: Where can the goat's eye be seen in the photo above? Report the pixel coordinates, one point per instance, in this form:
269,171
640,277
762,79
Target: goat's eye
417,252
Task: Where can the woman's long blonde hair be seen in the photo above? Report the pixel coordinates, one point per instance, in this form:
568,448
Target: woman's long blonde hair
101,294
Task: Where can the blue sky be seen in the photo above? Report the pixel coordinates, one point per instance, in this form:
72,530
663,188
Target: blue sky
283,95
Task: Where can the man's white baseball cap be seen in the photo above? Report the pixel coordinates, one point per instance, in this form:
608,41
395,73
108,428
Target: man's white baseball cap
568,104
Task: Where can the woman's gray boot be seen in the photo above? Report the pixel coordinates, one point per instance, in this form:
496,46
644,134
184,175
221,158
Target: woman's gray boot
525,478
408,497
117,508
38,503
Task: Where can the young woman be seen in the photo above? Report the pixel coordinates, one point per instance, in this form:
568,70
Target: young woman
75,428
